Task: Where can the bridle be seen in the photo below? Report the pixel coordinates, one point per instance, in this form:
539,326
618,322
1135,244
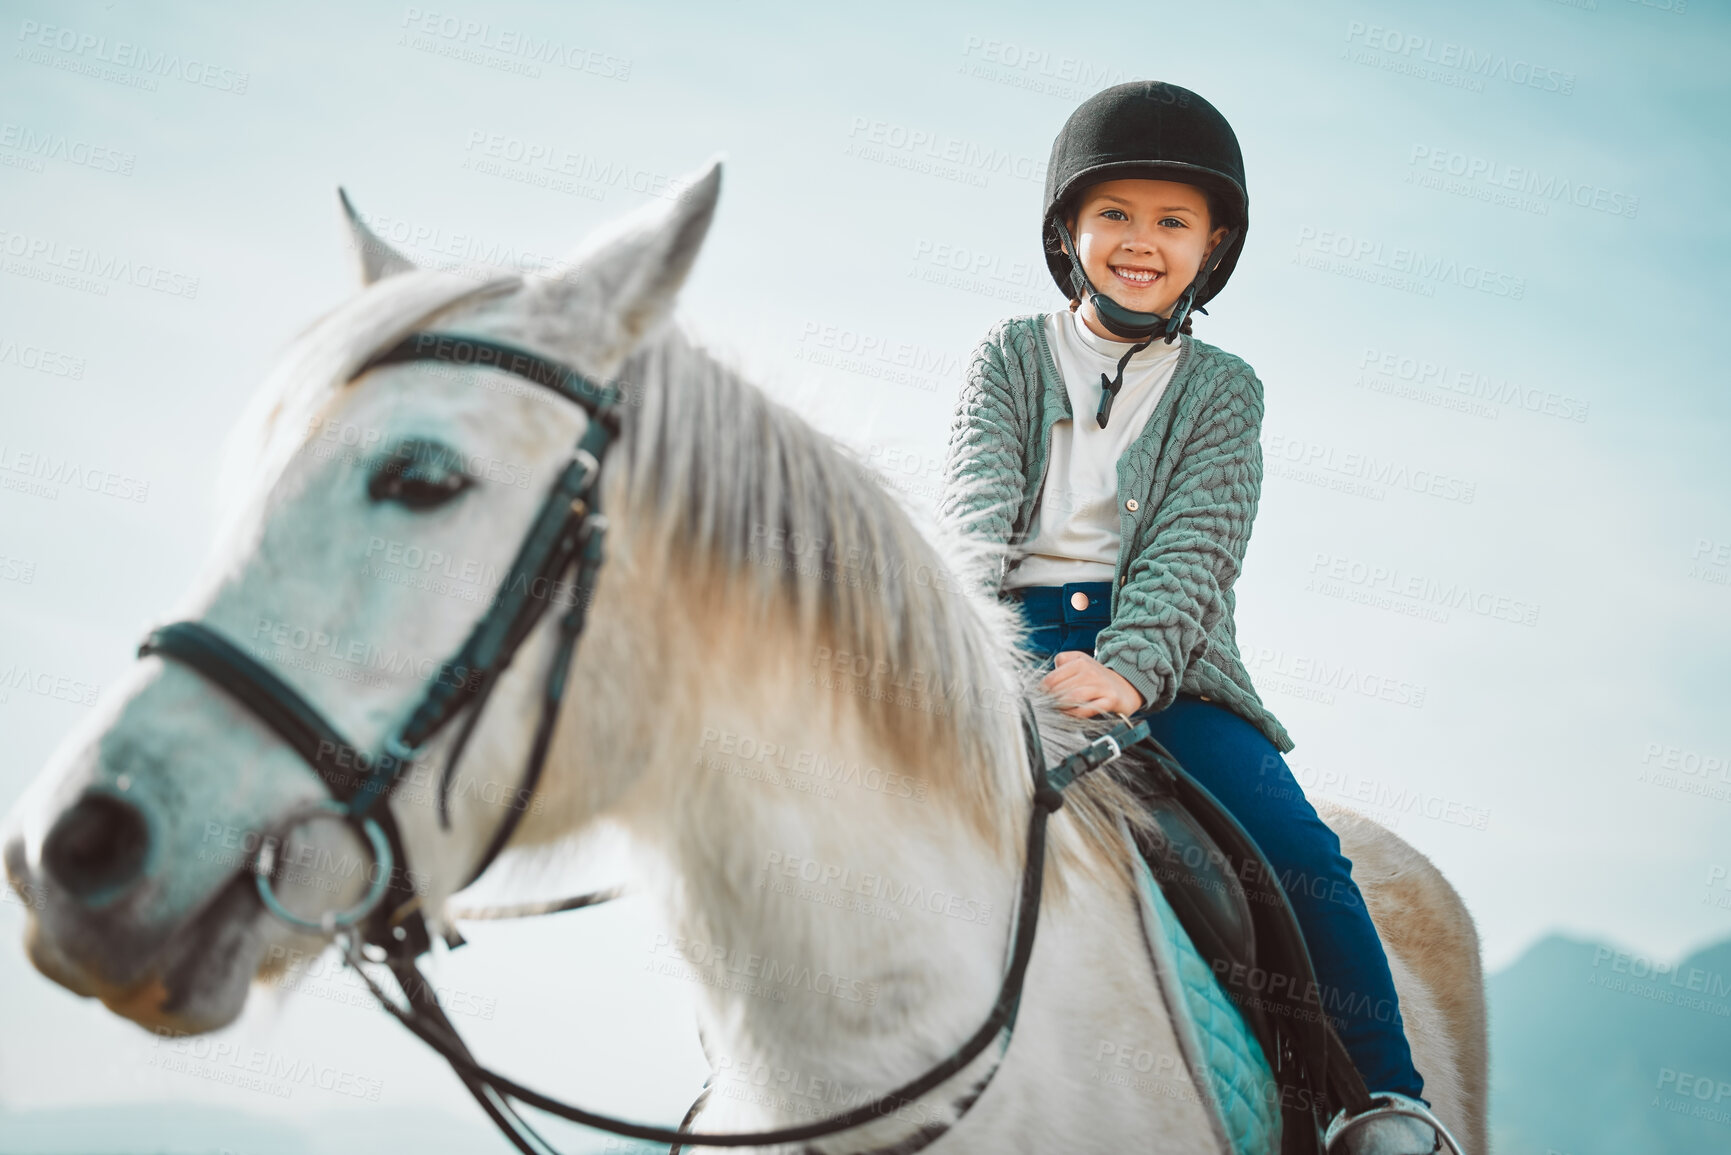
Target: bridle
565,537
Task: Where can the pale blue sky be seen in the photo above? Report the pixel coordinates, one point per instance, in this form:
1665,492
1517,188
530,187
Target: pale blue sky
833,231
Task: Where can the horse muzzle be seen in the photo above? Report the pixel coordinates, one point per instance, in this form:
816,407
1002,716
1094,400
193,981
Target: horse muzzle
136,860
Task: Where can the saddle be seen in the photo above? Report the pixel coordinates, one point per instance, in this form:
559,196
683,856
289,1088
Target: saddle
1230,902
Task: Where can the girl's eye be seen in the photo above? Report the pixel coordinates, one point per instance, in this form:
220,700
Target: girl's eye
1114,215
1174,221
418,475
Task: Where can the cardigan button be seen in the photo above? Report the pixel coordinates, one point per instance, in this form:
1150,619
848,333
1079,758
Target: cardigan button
1132,505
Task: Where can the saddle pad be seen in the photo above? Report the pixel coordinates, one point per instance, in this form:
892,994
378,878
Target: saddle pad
1226,1062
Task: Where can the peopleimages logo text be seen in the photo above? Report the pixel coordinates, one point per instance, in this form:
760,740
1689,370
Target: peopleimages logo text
95,263
941,146
46,467
1411,262
125,54
59,146
515,42
1545,186
1474,62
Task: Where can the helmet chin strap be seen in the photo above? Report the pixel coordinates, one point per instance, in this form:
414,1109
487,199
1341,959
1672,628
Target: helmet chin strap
1143,328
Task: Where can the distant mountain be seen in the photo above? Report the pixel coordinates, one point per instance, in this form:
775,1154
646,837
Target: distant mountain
1599,1052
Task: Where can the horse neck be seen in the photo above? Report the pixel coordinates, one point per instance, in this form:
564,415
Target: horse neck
838,891
836,914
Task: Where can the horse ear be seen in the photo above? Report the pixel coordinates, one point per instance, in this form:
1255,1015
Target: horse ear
377,259
632,272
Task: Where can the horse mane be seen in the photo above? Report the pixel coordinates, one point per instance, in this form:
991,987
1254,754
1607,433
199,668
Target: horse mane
764,514
758,511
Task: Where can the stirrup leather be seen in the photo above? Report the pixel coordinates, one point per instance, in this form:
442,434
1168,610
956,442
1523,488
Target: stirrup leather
1395,1124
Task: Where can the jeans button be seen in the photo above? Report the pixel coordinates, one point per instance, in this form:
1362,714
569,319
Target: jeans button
1079,600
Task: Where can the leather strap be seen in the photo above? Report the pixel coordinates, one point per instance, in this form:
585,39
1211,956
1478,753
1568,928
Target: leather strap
999,1024
566,533
1307,1051
598,398
265,695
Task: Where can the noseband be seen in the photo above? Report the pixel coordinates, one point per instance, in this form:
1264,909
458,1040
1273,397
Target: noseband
565,538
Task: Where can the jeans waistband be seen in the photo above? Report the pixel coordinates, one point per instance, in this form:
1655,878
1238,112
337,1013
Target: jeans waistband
1055,604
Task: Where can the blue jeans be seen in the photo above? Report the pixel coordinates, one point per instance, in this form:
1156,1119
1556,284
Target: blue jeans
1242,768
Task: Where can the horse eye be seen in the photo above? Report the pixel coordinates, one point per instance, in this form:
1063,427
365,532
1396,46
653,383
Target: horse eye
418,475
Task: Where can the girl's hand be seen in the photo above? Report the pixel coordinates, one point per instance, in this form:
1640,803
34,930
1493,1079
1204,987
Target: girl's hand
1085,688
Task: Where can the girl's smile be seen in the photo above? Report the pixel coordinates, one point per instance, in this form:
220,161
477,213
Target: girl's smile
1134,275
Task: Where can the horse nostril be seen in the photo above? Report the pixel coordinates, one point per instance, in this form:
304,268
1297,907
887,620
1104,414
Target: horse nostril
98,845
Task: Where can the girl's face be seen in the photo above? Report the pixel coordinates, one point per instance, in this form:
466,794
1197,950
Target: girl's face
1142,243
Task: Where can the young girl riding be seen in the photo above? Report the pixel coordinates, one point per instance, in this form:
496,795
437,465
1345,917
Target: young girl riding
1118,458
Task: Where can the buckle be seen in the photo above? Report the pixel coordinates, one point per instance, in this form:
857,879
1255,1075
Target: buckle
1107,740
588,466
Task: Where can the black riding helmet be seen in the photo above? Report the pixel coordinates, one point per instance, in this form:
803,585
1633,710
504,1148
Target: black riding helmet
1157,131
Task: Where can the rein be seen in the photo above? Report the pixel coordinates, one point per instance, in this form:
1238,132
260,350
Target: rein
999,1023
566,536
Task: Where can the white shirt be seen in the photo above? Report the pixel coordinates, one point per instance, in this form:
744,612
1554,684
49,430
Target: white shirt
1074,536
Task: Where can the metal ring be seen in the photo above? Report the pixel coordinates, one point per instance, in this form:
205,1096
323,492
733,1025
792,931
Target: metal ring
331,920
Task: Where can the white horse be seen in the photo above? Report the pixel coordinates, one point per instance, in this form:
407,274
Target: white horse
790,699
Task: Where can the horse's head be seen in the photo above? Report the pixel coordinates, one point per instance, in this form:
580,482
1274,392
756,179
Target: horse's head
372,515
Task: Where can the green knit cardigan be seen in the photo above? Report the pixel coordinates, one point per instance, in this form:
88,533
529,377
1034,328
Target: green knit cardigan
1188,487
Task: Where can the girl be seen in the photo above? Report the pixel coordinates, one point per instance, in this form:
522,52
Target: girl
1120,459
